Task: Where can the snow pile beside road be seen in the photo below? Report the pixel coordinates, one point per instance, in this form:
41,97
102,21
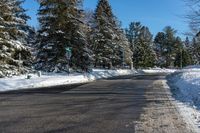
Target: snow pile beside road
189,114
158,70
53,79
188,83
192,67
186,90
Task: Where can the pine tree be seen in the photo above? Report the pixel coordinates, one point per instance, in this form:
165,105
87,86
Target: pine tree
171,50
141,43
26,33
165,47
170,46
143,54
159,48
82,54
189,50
61,27
124,47
187,43
123,51
196,49
182,58
108,38
13,51
132,33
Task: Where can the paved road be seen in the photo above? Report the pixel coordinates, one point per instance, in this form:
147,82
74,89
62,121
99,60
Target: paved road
125,104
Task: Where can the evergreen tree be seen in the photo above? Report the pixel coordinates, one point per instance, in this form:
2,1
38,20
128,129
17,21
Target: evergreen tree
182,56
165,47
159,48
196,49
169,44
189,49
124,47
88,19
133,32
26,33
108,37
60,28
14,54
170,50
103,39
187,43
143,54
141,43
123,50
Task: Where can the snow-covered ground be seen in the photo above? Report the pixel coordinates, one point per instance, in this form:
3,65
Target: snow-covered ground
186,90
53,79
158,70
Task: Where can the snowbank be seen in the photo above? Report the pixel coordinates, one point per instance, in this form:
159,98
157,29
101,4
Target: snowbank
158,70
186,90
52,79
189,114
187,82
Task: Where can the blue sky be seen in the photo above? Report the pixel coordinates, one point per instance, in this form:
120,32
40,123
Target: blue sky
156,14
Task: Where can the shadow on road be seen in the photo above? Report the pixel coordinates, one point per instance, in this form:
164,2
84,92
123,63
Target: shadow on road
160,76
112,106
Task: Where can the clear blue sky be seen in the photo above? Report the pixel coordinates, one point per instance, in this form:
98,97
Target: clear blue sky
156,14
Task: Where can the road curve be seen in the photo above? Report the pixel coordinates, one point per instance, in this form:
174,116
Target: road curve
124,104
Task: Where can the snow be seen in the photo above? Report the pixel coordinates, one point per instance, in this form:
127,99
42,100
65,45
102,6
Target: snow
159,70
190,115
186,90
54,79
188,82
192,67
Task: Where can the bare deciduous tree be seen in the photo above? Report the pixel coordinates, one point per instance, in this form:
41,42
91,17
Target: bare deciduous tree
193,16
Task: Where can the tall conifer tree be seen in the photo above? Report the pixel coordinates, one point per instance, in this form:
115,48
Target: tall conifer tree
14,55
108,37
60,28
141,45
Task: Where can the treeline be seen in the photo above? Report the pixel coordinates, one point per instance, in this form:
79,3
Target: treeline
93,39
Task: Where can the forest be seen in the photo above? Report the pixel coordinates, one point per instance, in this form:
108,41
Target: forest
71,37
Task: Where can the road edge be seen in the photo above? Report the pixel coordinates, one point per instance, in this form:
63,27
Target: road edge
178,105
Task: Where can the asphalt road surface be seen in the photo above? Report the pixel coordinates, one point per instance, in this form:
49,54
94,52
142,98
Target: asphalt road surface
125,104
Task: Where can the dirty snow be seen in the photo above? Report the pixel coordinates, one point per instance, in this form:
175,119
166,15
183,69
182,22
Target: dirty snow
53,79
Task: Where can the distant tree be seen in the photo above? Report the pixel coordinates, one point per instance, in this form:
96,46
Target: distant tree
143,54
183,57
141,45
170,51
189,49
196,49
159,48
187,43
